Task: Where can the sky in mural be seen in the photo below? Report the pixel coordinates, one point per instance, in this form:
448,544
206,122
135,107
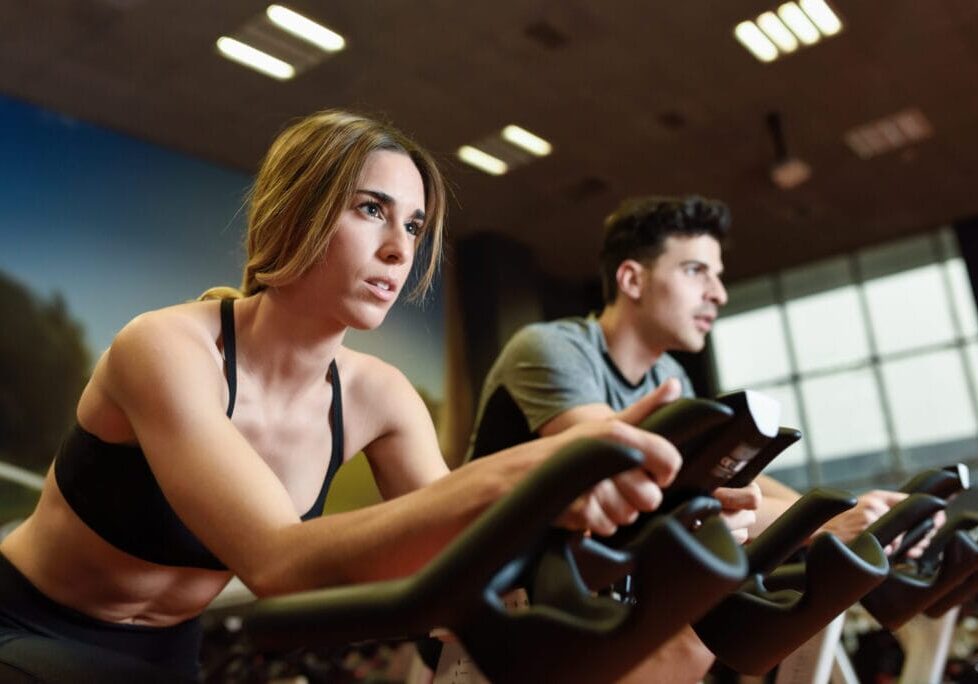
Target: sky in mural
118,226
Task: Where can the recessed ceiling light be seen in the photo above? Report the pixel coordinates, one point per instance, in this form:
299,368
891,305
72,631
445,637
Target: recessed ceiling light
889,133
255,59
799,23
914,124
823,16
777,32
305,28
523,139
751,38
482,161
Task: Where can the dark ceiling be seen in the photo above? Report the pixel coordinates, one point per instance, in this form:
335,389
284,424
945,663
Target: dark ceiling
636,96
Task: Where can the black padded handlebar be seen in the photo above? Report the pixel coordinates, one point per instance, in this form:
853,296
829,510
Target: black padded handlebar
679,575
719,440
968,588
795,526
909,590
943,483
756,627
683,573
413,606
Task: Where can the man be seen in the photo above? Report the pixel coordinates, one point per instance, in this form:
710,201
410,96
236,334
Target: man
661,268
660,274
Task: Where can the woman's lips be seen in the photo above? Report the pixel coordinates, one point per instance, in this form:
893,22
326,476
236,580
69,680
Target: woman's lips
383,289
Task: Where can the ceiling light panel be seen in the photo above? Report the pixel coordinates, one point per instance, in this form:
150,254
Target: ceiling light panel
889,133
305,28
755,41
483,161
267,33
505,150
776,33
822,16
251,57
799,23
523,139
779,34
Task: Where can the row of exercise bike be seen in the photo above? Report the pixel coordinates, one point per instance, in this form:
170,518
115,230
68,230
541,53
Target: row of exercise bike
777,601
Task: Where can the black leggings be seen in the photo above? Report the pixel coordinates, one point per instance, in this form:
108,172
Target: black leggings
41,640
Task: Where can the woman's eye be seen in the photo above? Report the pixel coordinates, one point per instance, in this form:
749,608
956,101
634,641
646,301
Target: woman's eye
413,228
371,209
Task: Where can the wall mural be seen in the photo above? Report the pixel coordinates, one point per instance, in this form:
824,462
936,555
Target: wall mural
96,227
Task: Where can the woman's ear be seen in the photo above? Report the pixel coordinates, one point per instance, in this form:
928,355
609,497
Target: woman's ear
630,276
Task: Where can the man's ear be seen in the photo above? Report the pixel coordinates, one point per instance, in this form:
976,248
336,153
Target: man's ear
630,276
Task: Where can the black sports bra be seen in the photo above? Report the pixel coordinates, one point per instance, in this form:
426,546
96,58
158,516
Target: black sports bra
112,489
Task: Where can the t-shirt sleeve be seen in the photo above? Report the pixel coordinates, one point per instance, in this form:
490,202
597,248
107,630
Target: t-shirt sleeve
548,371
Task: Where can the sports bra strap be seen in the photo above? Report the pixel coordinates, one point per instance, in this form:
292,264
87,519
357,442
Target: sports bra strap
336,410
336,458
227,334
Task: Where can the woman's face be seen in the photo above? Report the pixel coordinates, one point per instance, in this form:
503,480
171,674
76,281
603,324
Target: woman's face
371,252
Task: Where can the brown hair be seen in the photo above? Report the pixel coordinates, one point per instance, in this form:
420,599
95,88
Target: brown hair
638,229
308,177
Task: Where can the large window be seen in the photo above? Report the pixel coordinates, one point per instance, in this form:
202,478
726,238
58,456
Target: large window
874,356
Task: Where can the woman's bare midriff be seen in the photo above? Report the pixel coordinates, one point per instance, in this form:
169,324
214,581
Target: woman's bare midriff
72,565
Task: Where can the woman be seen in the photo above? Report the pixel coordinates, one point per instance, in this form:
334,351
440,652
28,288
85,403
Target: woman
209,432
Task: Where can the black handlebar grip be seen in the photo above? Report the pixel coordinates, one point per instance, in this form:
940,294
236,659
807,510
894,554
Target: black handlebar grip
792,528
785,438
904,516
717,439
942,483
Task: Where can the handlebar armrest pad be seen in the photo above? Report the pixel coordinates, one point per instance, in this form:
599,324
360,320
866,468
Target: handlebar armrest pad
754,631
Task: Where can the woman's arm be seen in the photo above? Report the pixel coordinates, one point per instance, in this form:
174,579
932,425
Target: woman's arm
740,506
403,449
163,376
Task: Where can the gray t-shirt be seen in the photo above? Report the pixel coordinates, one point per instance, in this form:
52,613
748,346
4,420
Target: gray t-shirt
548,368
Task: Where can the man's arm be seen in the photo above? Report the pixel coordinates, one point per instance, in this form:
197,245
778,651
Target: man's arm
666,392
778,498
846,526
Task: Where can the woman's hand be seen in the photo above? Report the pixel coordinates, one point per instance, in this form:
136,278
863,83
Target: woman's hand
618,500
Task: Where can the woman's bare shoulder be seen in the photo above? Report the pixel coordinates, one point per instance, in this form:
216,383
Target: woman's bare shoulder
184,328
181,338
368,374
188,318
390,421
176,344
379,396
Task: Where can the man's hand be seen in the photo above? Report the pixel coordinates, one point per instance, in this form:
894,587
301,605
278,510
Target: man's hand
663,394
869,508
739,506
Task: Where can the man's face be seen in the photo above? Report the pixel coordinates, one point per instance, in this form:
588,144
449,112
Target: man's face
681,294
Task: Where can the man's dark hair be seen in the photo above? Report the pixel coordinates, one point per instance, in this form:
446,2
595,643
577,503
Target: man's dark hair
638,229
